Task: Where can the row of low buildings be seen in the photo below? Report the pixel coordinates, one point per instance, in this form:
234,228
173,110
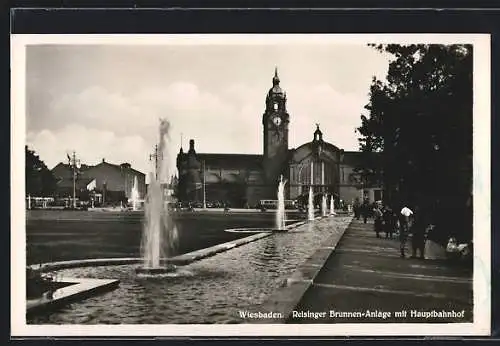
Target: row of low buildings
104,183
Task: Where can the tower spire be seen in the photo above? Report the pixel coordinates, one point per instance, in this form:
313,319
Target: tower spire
318,135
276,79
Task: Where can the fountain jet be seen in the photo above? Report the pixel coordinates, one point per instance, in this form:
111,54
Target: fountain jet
159,236
280,212
134,195
310,205
332,206
323,205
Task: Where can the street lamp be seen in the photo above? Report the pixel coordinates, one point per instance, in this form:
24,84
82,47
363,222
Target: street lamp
75,165
155,157
299,174
204,188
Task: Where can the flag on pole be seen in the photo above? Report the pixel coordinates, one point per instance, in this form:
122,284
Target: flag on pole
92,185
69,158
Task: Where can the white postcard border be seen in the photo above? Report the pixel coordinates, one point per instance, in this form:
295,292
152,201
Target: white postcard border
482,208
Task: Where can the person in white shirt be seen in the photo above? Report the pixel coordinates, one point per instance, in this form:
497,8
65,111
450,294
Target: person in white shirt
377,214
404,222
406,211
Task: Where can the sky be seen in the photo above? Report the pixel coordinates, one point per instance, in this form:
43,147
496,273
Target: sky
105,101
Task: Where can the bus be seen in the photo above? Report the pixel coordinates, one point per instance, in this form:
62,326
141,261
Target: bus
273,204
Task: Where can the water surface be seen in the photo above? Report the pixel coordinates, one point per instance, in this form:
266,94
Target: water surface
212,290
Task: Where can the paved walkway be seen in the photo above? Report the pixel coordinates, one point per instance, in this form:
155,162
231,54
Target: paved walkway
367,273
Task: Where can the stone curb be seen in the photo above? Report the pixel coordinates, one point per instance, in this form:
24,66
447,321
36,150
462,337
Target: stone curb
183,259
284,300
211,251
78,290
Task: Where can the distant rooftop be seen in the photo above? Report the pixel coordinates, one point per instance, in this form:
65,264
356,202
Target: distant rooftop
236,160
85,167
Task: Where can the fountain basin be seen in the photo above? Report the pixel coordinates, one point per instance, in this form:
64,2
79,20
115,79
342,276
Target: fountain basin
183,259
255,230
168,268
266,230
212,290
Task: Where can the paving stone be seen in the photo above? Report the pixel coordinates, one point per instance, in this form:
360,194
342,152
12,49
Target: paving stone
367,273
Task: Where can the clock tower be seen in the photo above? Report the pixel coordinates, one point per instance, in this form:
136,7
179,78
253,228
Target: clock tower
275,122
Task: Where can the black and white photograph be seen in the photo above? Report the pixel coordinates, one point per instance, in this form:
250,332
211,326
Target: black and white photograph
250,185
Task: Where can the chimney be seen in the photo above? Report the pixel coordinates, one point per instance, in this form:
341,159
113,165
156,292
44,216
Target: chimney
103,160
191,145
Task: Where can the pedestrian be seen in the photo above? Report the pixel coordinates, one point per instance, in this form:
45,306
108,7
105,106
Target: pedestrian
418,230
378,216
226,207
389,222
356,208
404,222
365,210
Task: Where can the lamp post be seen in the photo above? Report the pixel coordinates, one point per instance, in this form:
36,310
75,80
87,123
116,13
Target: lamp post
74,164
312,173
299,176
154,156
341,161
323,177
204,188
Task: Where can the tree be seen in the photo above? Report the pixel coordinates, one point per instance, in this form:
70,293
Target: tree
371,140
421,118
39,179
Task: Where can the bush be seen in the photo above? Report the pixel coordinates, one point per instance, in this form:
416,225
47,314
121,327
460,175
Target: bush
36,284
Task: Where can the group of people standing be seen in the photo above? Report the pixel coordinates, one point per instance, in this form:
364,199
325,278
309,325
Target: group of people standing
406,222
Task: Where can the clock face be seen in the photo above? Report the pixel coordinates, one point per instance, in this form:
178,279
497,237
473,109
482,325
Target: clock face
277,121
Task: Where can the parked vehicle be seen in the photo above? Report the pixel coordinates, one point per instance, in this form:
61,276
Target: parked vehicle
273,204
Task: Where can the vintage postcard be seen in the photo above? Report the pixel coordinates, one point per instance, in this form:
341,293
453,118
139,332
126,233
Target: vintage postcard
250,185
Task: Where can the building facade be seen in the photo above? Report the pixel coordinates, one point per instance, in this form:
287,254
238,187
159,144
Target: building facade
106,182
244,180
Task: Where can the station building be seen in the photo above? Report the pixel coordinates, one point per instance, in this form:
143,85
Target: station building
245,179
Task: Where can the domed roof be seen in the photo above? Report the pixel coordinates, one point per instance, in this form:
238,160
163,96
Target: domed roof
316,147
276,90
307,149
